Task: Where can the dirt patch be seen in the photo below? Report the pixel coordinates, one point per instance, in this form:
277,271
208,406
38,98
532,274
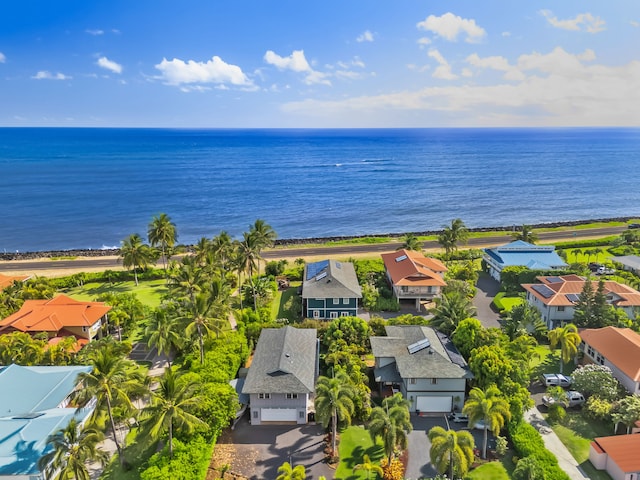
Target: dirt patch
224,454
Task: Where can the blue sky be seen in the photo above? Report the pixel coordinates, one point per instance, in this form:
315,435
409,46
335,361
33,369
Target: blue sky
355,63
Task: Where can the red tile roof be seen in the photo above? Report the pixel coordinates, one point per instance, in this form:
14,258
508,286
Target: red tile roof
6,280
54,315
624,296
620,346
407,267
623,450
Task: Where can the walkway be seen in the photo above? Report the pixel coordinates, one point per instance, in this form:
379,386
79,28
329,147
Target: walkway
487,288
566,461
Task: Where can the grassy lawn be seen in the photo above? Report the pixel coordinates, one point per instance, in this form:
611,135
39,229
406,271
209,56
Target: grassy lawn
149,292
355,442
577,432
506,303
489,471
283,304
548,361
136,452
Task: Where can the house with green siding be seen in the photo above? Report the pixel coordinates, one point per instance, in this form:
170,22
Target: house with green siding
330,290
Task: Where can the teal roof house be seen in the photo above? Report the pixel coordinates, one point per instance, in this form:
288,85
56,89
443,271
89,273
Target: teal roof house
522,254
35,402
330,290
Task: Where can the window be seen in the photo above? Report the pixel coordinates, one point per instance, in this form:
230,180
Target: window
264,396
300,414
590,351
345,301
255,414
344,314
434,381
600,359
404,289
292,396
412,381
335,301
316,313
561,309
333,314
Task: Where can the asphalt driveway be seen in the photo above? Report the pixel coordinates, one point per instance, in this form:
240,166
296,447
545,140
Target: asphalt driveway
487,288
261,449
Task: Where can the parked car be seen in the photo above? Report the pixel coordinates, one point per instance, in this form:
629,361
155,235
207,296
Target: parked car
478,425
634,225
573,399
605,271
458,417
555,380
594,266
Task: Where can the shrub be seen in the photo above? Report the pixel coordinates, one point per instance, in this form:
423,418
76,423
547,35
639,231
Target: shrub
387,305
556,413
190,460
598,408
597,380
527,442
393,470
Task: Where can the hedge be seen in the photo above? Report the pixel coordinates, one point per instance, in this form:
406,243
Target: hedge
527,441
596,242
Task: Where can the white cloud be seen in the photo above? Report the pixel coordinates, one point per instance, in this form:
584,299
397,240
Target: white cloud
46,75
190,73
296,62
443,70
466,72
582,21
558,90
496,63
2,58
107,64
357,62
94,32
506,34
422,41
449,26
365,36
633,23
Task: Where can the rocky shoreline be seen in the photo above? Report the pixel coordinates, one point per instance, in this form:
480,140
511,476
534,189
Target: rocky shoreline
299,241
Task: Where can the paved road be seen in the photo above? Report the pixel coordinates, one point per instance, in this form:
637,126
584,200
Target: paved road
110,263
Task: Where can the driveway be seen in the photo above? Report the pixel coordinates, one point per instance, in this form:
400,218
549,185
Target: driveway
259,450
487,288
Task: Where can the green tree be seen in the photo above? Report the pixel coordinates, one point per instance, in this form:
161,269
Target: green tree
627,411
170,405
528,468
265,236
288,472
71,448
391,422
163,333
568,339
584,307
247,258
490,364
334,402
596,380
451,451
353,330
469,334
451,308
523,319
410,242
162,232
447,241
526,234
368,466
135,254
489,407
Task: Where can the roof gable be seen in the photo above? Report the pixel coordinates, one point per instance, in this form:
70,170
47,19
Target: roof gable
623,450
406,267
520,253
330,279
564,290
620,346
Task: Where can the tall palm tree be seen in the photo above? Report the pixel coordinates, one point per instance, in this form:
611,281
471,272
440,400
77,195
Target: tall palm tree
222,249
72,447
526,234
170,405
187,280
288,472
248,257
410,242
568,339
112,382
576,254
451,308
489,407
334,402
448,241
459,229
451,451
265,236
368,466
163,333
392,423
135,254
162,232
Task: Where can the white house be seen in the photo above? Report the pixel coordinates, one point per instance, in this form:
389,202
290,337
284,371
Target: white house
617,455
523,254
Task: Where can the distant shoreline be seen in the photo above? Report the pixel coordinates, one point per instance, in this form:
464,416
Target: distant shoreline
303,241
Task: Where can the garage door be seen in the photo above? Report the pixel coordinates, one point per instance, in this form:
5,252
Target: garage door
434,404
278,415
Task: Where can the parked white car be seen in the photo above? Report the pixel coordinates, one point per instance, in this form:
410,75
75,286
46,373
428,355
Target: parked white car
458,417
573,399
555,380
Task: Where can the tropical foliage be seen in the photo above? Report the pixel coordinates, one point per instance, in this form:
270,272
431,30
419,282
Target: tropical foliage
451,452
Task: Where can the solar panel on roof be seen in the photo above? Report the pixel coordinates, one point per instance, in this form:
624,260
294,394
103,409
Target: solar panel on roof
321,276
401,258
554,280
314,269
419,345
543,290
572,297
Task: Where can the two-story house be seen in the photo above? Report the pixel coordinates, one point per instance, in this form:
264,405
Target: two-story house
282,375
330,290
523,254
422,364
413,276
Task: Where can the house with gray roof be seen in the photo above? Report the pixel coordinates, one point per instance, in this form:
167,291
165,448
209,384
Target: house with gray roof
330,290
35,402
422,364
282,375
630,263
522,254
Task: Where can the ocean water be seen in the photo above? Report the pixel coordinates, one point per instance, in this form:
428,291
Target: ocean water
64,188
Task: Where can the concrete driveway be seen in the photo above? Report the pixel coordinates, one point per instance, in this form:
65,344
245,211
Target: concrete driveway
261,449
487,288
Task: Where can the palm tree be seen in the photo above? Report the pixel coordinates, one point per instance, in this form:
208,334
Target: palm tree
487,406
410,242
162,332
162,232
391,422
169,407
334,401
459,229
135,254
248,257
222,249
526,234
368,466
187,281
576,253
288,472
568,339
451,450
72,447
111,382
451,308
448,241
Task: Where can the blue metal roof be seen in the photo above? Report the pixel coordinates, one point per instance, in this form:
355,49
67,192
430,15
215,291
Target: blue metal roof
521,253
